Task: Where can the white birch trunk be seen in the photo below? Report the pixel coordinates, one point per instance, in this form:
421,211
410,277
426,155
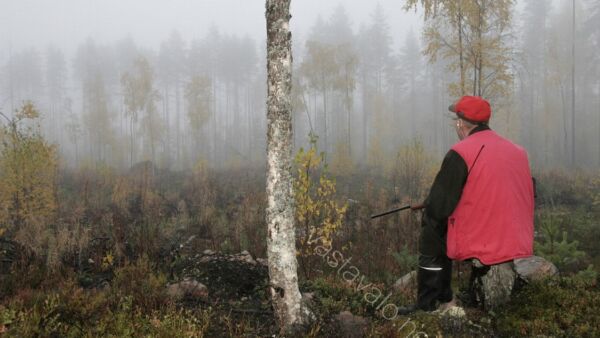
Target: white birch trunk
281,241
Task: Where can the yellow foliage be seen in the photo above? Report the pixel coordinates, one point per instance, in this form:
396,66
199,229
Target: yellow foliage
138,187
471,35
414,171
107,261
318,213
28,168
28,172
28,111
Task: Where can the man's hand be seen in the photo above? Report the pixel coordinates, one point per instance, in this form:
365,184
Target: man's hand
417,207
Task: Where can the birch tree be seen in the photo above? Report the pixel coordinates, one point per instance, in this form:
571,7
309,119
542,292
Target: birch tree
281,243
473,36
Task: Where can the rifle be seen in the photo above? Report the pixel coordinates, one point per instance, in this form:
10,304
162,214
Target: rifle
411,207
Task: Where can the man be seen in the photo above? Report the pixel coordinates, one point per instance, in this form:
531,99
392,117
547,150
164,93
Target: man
479,206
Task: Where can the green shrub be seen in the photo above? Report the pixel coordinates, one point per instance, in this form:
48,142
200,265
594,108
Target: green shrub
141,281
555,245
565,307
74,312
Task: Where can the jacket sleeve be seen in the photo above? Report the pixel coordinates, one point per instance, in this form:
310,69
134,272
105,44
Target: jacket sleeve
445,191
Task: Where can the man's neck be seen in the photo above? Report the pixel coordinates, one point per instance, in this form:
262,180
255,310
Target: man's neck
479,128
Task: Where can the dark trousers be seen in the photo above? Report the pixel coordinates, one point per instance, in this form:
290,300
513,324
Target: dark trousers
435,268
433,281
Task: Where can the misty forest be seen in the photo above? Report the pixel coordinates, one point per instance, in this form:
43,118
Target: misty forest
219,181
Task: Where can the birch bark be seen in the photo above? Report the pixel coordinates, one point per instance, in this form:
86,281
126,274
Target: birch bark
281,241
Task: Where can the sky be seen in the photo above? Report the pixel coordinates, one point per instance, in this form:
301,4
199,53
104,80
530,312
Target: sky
65,23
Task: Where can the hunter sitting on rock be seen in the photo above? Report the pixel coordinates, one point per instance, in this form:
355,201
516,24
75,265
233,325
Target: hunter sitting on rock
480,206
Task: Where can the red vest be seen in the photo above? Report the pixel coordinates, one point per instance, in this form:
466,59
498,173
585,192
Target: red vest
493,220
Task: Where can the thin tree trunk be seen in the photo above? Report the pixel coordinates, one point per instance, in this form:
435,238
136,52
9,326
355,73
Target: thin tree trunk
131,138
480,50
460,50
564,106
177,125
167,127
573,89
365,140
349,116
281,239
325,117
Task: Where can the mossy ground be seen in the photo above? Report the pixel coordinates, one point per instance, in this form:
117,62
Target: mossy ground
135,304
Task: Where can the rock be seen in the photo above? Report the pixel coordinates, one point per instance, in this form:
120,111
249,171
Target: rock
351,326
228,276
245,256
454,319
187,288
208,252
308,295
406,283
262,261
534,268
205,259
493,285
104,286
456,312
497,285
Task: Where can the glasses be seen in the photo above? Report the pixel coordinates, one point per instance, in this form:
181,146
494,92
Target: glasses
455,121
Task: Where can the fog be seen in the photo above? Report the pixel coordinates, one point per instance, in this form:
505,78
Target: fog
63,23
203,63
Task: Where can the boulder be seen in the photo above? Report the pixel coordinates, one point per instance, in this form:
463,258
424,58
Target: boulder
534,268
406,283
262,261
455,312
245,256
208,252
494,285
497,284
187,288
308,295
351,326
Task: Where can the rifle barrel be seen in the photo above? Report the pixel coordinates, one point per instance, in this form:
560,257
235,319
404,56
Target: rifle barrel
390,211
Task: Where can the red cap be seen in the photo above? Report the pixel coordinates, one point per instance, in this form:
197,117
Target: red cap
472,108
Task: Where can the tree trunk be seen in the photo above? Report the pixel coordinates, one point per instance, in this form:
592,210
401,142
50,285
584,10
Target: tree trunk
460,50
281,241
573,89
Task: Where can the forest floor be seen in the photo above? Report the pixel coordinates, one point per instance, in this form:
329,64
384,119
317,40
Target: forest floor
135,302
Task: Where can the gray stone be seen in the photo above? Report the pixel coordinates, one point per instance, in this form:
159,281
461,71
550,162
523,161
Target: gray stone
262,261
245,256
308,295
104,286
206,259
406,283
497,284
534,268
351,326
456,312
187,288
